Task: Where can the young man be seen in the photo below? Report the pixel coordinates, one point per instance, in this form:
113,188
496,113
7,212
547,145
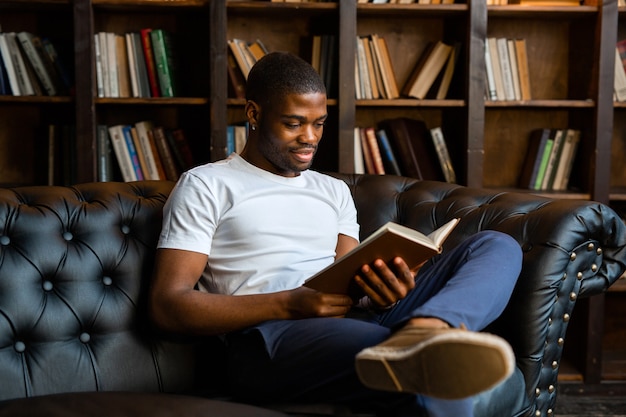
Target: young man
241,235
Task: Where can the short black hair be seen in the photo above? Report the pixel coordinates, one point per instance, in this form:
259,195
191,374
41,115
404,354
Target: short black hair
278,74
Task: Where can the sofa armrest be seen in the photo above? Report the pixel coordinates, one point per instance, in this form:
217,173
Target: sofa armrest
572,249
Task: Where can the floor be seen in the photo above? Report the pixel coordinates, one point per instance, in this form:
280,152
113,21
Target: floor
605,401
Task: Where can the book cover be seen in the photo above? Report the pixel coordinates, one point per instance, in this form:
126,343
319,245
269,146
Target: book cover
389,241
545,156
104,160
165,61
143,81
132,65
427,69
122,67
59,59
31,45
523,69
413,145
389,158
386,67
564,167
236,79
154,167
510,43
505,68
359,157
8,65
5,87
146,44
367,154
25,85
555,154
489,73
120,149
99,65
165,153
530,167
132,152
374,149
446,79
111,69
442,153
495,66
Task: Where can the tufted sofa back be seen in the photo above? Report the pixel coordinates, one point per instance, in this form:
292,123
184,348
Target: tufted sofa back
74,264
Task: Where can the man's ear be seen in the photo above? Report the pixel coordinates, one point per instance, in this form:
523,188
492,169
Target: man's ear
252,111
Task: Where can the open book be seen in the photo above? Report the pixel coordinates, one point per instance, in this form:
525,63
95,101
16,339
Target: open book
386,243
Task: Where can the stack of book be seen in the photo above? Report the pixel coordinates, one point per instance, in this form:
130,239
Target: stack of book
242,55
620,71
374,74
433,72
136,64
549,159
506,62
403,146
143,151
30,65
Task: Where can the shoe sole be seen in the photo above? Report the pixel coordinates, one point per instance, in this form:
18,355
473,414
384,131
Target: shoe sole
449,366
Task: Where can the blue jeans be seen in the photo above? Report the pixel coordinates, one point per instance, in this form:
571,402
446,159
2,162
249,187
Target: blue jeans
312,360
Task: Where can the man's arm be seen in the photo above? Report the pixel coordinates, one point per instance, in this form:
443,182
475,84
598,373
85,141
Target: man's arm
175,305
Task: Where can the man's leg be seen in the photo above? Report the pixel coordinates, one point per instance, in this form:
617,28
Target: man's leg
468,286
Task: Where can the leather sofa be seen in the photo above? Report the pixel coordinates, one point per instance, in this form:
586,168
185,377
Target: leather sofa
75,264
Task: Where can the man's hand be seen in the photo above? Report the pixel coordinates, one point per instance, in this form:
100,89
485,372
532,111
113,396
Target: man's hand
386,284
304,302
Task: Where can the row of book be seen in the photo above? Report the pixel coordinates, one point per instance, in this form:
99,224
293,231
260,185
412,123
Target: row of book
507,71
374,74
549,159
403,146
30,65
136,64
143,151
620,71
543,2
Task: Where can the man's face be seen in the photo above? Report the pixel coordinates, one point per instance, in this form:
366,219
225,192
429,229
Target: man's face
289,133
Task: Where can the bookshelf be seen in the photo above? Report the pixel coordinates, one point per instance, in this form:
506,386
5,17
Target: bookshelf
570,51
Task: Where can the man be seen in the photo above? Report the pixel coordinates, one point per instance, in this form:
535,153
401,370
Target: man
240,236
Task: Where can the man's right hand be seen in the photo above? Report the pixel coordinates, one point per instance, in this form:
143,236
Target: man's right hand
304,302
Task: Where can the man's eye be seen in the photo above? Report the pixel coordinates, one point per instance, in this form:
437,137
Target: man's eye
293,125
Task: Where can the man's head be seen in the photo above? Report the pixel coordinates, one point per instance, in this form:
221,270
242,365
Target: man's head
286,112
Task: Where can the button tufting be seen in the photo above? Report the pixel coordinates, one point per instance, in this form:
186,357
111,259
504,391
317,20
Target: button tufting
594,267
85,337
572,256
107,281
125,229
19,347
47,285
5,240
591,246
68,236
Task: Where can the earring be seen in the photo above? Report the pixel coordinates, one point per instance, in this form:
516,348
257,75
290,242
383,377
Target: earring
253,127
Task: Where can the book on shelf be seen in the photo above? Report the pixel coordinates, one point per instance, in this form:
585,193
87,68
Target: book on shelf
443,154
413,146
389,241
557,147
140,68
97,45
363,85
24,84
122,67
132,152
122,154
7,61
490,81
521,52
545,2
154,166
148,55
494,62
40,62
167,157
359,157
55,52
180,148
240,56
530,168
429,65
619,77
5,87
566,159
104,152
368,159
517,92
165,59
236,79
505,68
111,68
448,73
374,150
390,161
390,86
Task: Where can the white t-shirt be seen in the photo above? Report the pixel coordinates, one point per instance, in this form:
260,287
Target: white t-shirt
262,232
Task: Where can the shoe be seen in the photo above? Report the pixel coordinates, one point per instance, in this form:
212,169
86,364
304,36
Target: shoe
443,363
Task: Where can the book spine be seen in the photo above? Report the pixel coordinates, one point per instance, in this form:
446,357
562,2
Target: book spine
152,171
443,154
132,152
146,44
28,45
505,68
104,162
121,153
8,64
25,86
169,165
111,52
162,48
